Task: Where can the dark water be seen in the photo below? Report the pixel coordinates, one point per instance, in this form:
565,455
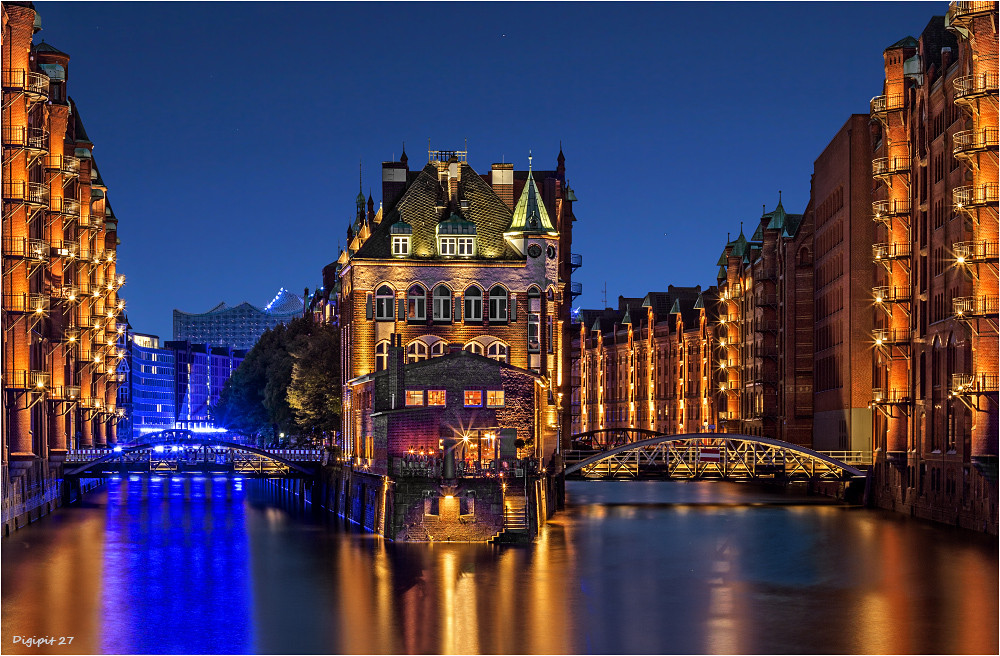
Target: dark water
215,566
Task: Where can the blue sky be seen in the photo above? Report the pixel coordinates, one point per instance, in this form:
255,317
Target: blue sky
229,134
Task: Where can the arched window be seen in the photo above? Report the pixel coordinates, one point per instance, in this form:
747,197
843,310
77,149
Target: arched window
416,304
381,356
473,304
383,303
439,349
416,351
498,304
497,351
442,303
474,347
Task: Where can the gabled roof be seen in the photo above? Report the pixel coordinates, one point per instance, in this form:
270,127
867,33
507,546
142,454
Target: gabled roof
418,206
530,214
905,42
78,130
45,47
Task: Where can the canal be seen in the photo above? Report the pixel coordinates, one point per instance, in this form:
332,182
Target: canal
222,566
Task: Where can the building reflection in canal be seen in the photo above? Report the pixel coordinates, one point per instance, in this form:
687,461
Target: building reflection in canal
205,566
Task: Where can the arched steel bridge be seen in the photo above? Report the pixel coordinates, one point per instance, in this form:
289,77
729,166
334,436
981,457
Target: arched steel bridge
181,451
636,452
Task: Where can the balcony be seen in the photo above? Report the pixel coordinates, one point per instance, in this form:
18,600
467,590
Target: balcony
883,396
33,250
976,196
37,140
32,193
894,251
885,210
26,380
34,85
962,384
891,337
67,165
961,11
897,164
575,289
766,275
26,303
766,326
970,142
891,294
69,250
976,252
766,300
68,393
736,291
880,106
575,261
68,207
766,350
977,85
975,307
71,336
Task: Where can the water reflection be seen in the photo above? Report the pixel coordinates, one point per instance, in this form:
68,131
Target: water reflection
181,565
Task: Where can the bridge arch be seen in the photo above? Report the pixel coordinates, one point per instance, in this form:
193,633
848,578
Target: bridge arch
718,442
173,437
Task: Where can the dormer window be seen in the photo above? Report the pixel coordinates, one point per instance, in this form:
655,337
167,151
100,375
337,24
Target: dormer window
456,237
402,233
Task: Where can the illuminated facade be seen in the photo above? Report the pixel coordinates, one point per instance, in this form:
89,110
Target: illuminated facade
151,393
62,333
457,260
647,364
239,326
935,261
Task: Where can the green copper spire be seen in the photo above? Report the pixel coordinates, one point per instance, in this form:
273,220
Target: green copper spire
529,213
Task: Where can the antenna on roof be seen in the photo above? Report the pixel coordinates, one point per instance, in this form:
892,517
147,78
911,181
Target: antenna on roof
604,295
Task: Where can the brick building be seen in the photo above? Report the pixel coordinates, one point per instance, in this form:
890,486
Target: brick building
451,261
936,250
840,197
646,364
62,333
765,332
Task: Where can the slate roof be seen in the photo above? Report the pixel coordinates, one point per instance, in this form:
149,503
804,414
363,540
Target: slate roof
905,42
45,47
418,207
530,214
79,132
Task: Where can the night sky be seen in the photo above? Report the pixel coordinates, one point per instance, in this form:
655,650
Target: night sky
229,134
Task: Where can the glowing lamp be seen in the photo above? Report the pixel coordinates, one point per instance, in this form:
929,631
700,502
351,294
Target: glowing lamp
960,259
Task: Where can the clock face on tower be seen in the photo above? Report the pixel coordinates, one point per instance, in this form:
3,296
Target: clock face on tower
534,250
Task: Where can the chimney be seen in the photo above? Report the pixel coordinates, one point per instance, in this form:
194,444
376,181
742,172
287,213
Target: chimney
945,58
393,182
502,181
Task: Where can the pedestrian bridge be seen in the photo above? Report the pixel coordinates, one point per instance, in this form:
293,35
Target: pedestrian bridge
639,453
183,451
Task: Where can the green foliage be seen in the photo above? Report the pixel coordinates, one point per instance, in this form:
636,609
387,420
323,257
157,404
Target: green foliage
257,401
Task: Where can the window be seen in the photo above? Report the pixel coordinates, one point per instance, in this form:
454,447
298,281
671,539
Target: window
439,349
416,304
400,245
383,303
473,304
498,304
465,246
381,356
533,325
497,351
414,397
494,398
473,398
442,303
446,245
474,347
416,352
436,397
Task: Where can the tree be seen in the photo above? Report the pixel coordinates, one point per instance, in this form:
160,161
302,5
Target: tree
314,394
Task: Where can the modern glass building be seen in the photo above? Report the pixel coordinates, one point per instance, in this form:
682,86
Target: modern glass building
237,327
200,374
151,371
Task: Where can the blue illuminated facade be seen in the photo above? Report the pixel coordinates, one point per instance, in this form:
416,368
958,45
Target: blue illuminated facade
151,373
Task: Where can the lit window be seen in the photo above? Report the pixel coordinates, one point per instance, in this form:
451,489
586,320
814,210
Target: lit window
497,351
442,303
416,304
381,356
401,245
383,303
474,347
473,398
439,349
416,352
436,397
473,304
465,246
534,322
446,245
414,397
494,398
498,304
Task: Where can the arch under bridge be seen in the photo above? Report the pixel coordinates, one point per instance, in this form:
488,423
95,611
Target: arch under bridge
628,453
183,451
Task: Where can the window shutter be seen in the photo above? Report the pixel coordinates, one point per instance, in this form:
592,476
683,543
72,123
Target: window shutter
513,308
401,312
457,313
368,306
